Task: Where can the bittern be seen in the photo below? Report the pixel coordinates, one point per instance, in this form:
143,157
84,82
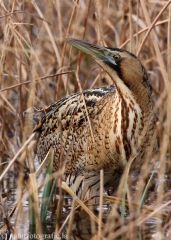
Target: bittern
100,128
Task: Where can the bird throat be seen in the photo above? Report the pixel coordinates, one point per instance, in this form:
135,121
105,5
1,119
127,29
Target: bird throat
135,87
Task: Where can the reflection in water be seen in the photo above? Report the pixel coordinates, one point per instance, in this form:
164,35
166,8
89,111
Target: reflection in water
83,227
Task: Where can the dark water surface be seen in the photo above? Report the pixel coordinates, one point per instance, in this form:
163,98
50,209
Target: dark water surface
82,226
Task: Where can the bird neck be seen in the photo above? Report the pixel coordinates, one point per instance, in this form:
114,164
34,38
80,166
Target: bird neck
138,89
140,94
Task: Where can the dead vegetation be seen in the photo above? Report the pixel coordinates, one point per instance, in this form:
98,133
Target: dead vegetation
37,67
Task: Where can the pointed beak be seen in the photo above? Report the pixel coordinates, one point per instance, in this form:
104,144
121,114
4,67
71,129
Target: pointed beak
97,52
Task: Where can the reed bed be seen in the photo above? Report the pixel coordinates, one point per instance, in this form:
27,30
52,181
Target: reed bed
37,68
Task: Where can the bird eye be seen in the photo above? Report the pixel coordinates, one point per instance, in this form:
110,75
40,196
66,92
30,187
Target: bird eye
116,57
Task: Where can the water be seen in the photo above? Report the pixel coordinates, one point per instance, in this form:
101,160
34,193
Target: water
82,226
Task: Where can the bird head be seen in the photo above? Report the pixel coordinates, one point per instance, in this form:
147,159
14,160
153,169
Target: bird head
124,68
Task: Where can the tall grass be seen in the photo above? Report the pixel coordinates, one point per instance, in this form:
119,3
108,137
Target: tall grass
37,67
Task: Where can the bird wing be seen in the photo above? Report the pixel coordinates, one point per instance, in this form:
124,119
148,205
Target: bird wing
70,107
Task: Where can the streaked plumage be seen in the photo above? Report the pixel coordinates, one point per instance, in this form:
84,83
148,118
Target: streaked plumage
121,118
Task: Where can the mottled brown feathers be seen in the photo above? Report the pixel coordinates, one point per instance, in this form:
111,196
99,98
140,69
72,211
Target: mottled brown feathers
121,119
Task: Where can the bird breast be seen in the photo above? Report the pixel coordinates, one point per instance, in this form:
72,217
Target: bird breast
117,133
115,121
